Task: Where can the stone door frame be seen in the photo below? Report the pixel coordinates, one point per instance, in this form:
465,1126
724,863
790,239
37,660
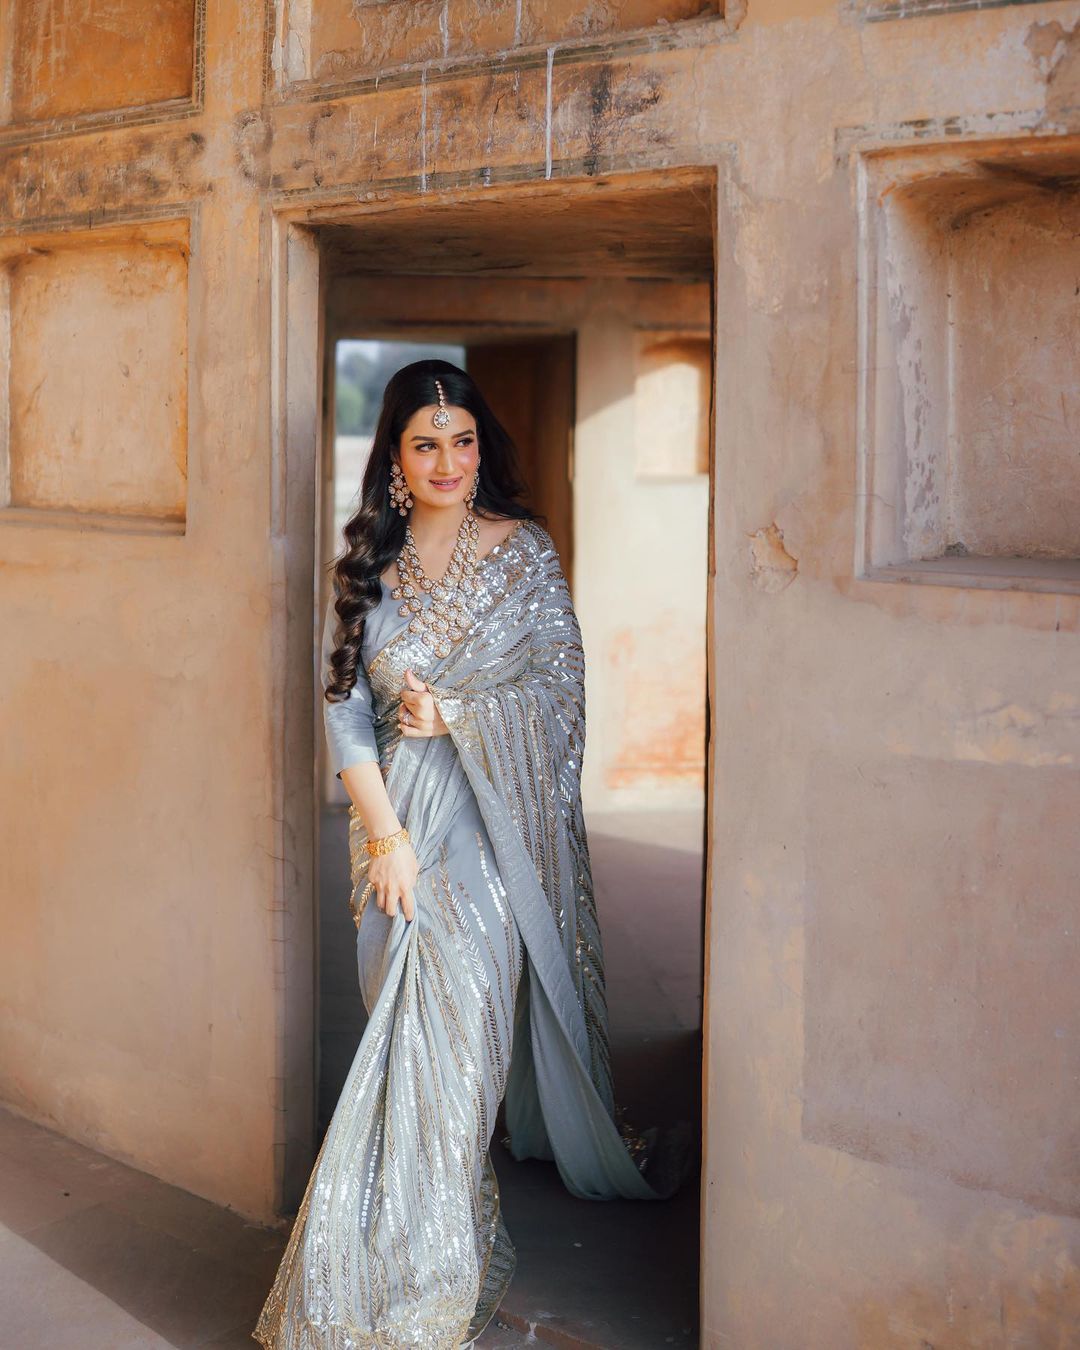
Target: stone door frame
296,360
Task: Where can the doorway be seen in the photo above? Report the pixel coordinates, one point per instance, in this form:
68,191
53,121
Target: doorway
529,385
597,353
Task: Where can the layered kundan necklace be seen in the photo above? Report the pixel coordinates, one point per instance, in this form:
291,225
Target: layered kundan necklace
447,618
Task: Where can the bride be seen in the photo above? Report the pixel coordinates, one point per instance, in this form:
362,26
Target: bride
453,680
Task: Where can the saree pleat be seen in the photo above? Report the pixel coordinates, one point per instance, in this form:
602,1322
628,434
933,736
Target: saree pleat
493,992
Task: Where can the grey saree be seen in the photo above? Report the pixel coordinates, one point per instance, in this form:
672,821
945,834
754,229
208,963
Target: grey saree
399,1240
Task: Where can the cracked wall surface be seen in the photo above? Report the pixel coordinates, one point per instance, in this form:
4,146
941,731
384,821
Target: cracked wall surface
891,1059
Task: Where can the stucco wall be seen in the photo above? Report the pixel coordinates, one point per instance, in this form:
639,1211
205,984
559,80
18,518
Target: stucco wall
641,550
891,1061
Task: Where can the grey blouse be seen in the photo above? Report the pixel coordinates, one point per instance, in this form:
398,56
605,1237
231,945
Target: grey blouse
350,724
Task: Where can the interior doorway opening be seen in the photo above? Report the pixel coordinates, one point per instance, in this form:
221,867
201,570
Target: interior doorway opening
597,353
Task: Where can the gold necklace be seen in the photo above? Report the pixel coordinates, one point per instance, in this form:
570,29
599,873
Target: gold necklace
446,619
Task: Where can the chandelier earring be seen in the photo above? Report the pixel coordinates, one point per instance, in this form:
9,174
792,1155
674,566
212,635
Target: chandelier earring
400,496
470,496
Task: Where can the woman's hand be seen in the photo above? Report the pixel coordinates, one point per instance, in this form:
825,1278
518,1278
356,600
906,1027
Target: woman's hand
393,876
418,715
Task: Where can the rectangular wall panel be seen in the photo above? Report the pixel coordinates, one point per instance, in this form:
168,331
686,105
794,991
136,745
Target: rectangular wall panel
98,368
338,40
70,61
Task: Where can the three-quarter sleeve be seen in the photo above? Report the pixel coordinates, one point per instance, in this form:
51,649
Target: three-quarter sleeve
349,724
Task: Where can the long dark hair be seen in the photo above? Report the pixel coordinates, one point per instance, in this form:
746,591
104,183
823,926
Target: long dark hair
375,533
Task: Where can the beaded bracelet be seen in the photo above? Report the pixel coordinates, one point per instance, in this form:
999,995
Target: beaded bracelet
377,847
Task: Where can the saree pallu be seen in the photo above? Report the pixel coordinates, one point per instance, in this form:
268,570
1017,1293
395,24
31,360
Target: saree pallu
399,1240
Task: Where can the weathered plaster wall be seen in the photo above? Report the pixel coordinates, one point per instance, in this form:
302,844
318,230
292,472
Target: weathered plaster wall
933,724
641,604
137,846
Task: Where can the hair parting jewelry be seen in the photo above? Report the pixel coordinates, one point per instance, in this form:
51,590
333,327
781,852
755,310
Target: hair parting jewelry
440,416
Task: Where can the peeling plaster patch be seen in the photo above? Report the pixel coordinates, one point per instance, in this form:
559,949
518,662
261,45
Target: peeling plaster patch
295,56
597,17
656,699
254,136
1043,41
1056,53
989,728
1007,735
772,568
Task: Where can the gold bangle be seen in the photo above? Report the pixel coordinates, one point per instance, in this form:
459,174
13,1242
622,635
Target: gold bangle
377,847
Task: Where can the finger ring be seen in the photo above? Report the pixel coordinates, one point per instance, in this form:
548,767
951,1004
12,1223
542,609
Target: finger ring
406,716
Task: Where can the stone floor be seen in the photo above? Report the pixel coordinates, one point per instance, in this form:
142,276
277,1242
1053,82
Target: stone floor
95,1255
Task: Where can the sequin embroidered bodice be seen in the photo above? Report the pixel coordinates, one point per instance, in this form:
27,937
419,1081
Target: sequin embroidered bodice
389,648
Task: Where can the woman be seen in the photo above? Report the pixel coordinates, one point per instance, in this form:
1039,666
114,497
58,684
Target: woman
454,712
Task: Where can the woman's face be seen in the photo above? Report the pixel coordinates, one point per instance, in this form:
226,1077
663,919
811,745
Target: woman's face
439,463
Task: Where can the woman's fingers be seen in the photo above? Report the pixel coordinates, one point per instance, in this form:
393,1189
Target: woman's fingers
393,893
415,725
419,703
393,885
397,897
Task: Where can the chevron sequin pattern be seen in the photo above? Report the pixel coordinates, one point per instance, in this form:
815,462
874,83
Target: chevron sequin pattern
399,1240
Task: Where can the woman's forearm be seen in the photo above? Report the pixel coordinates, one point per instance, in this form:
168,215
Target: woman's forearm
367,791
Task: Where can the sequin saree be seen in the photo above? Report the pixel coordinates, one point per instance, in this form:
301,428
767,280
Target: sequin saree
399,1240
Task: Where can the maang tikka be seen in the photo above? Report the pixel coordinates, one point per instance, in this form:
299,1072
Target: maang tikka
440,417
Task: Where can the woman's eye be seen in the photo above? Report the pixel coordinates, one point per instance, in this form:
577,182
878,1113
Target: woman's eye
459,445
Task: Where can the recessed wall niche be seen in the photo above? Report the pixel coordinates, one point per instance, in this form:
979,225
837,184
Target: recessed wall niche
93,352
672,381
99,62
969,349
